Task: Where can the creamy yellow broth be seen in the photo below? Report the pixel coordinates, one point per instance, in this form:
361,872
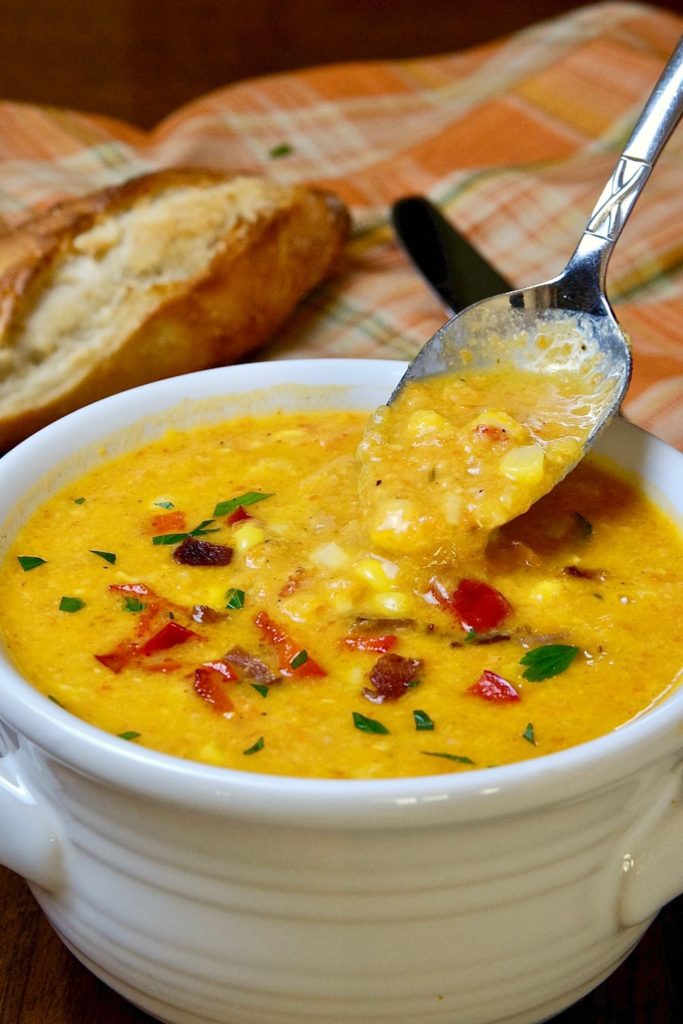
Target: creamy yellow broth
456,455
594,569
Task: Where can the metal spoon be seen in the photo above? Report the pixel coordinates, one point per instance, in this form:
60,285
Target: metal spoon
571,310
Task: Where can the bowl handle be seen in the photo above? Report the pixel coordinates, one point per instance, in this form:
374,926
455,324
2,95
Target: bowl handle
653,861
31,841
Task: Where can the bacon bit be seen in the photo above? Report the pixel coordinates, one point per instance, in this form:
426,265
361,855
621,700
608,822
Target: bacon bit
292,584
493,687
391,676
252,666
492,433
478,606
379,644
168,522
209,684
169,635
238,515
193,551
121,656
364,624
287,649
579,574
204,613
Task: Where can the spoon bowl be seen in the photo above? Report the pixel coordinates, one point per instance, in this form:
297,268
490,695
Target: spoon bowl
567,323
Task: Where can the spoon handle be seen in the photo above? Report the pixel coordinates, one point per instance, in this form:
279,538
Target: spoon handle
660,116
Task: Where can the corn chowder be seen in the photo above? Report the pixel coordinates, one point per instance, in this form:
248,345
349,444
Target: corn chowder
216,595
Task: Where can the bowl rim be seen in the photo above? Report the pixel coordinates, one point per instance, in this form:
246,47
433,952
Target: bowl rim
475,793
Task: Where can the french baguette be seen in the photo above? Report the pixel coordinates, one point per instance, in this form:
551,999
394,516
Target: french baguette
173,271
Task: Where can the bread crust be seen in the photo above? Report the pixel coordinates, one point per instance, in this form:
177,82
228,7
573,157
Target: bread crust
232,305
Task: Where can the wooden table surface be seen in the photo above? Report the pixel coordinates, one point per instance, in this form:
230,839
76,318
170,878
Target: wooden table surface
42,983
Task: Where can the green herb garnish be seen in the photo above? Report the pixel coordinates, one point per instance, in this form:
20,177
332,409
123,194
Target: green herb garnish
547,661
79,501
226,508
260,688
259,745
132,604
282,149
71,604
164,504
28,562
235,598
448,757
470,636
366,724
585,525
129,735
176,538
108,556
529,734
423,723
299,659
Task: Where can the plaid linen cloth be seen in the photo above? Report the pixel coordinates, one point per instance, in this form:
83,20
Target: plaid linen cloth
514,140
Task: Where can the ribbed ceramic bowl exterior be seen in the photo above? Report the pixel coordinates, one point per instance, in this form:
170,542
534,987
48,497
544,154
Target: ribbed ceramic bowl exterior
206,895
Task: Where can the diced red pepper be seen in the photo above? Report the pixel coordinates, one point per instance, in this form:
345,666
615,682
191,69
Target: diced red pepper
170,635
168,522
493,687
238,515
379,644
478,606
167,665
209,684
117,659
287,649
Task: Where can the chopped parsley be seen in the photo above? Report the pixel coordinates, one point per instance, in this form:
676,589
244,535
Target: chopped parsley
282,149
529,734
164,504
260,688
71,604
176,538
28,562
366,724
108,556
255,747
547,661
235,598
225,508
131,735
299,659
79,501
132,604
449,757
585,526
423,723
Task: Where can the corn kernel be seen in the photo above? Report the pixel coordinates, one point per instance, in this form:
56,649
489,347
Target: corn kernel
425,423
392,603
248,536
524,464
563,449
501,419
332,556
377,572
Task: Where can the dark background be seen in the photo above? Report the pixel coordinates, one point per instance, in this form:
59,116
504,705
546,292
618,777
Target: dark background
140,59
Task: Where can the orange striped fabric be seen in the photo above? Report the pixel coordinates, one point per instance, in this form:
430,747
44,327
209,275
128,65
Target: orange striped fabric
513,139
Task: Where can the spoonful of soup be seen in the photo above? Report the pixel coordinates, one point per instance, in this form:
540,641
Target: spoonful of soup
507,396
